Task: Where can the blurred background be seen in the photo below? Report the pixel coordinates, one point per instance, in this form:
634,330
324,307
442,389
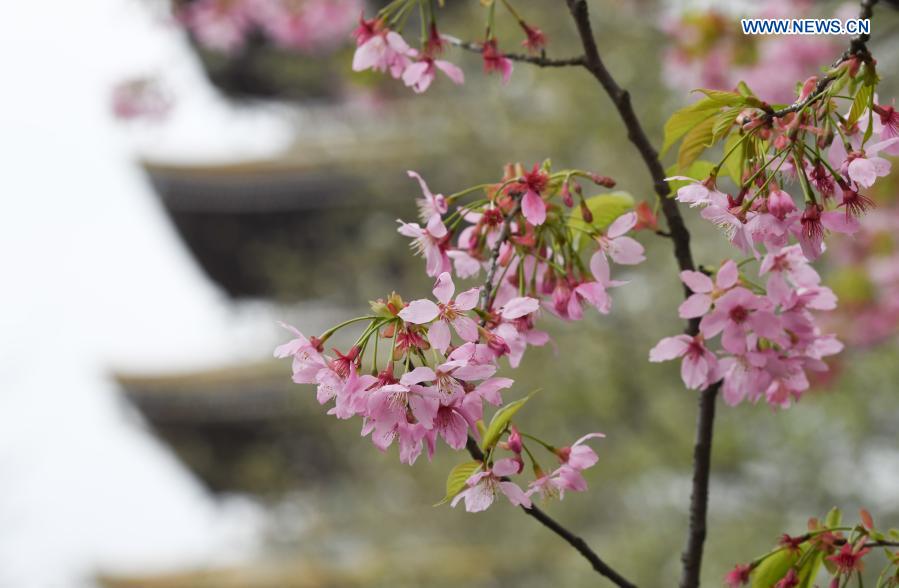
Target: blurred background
173,189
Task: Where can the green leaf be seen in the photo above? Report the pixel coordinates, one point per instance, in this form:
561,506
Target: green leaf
688,117
605,209
694,143
809,570
724,123
723,98
733,164
860,104
744,90
773,568
455,481
501,420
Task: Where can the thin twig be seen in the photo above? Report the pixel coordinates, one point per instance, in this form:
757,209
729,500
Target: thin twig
550,523
539,60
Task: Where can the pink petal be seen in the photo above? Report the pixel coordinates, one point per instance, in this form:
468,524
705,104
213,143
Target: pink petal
418,375
862,171
697,281
419,312
621,225
468,299
669,348
626,251
515,494
424,409
466,327
424,187
506,467
414,74
694,372
712,324
452,72
519,307
728,274
436,227
533,208
453,429
444,288
582,457
489,389
694,306
599,267
439,336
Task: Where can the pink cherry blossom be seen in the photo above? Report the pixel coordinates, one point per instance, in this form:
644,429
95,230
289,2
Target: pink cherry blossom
307,359
864,168
738,313
699,368
622,249
482,487
888,118
385,51
704,290
447,311
420,74
813,223
578,455
494,60
429,242
429,204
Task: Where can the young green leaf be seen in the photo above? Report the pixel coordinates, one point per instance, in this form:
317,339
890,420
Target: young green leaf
688,117
773,569
501,420
455,481
694,143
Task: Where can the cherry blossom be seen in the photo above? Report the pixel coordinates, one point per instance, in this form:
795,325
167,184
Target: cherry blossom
483,487
447,311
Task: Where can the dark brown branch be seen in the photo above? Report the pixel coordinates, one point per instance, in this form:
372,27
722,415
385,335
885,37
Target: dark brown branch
539,60
699,498
550,523
680,237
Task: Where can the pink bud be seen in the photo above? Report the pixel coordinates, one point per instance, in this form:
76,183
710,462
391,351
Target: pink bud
780,204
514,441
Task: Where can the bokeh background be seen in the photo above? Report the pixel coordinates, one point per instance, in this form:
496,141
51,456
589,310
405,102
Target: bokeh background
166,201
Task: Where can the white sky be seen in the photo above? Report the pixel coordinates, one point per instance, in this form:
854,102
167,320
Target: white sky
93,278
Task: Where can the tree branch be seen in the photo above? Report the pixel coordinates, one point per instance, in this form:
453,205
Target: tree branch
539,60
680,237
550,523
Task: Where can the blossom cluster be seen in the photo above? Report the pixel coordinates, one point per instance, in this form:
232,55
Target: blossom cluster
381,47
841,550
770,337
308,26
434,361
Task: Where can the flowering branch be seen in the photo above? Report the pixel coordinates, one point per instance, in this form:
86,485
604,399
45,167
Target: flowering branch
475,451
540,60
579,544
